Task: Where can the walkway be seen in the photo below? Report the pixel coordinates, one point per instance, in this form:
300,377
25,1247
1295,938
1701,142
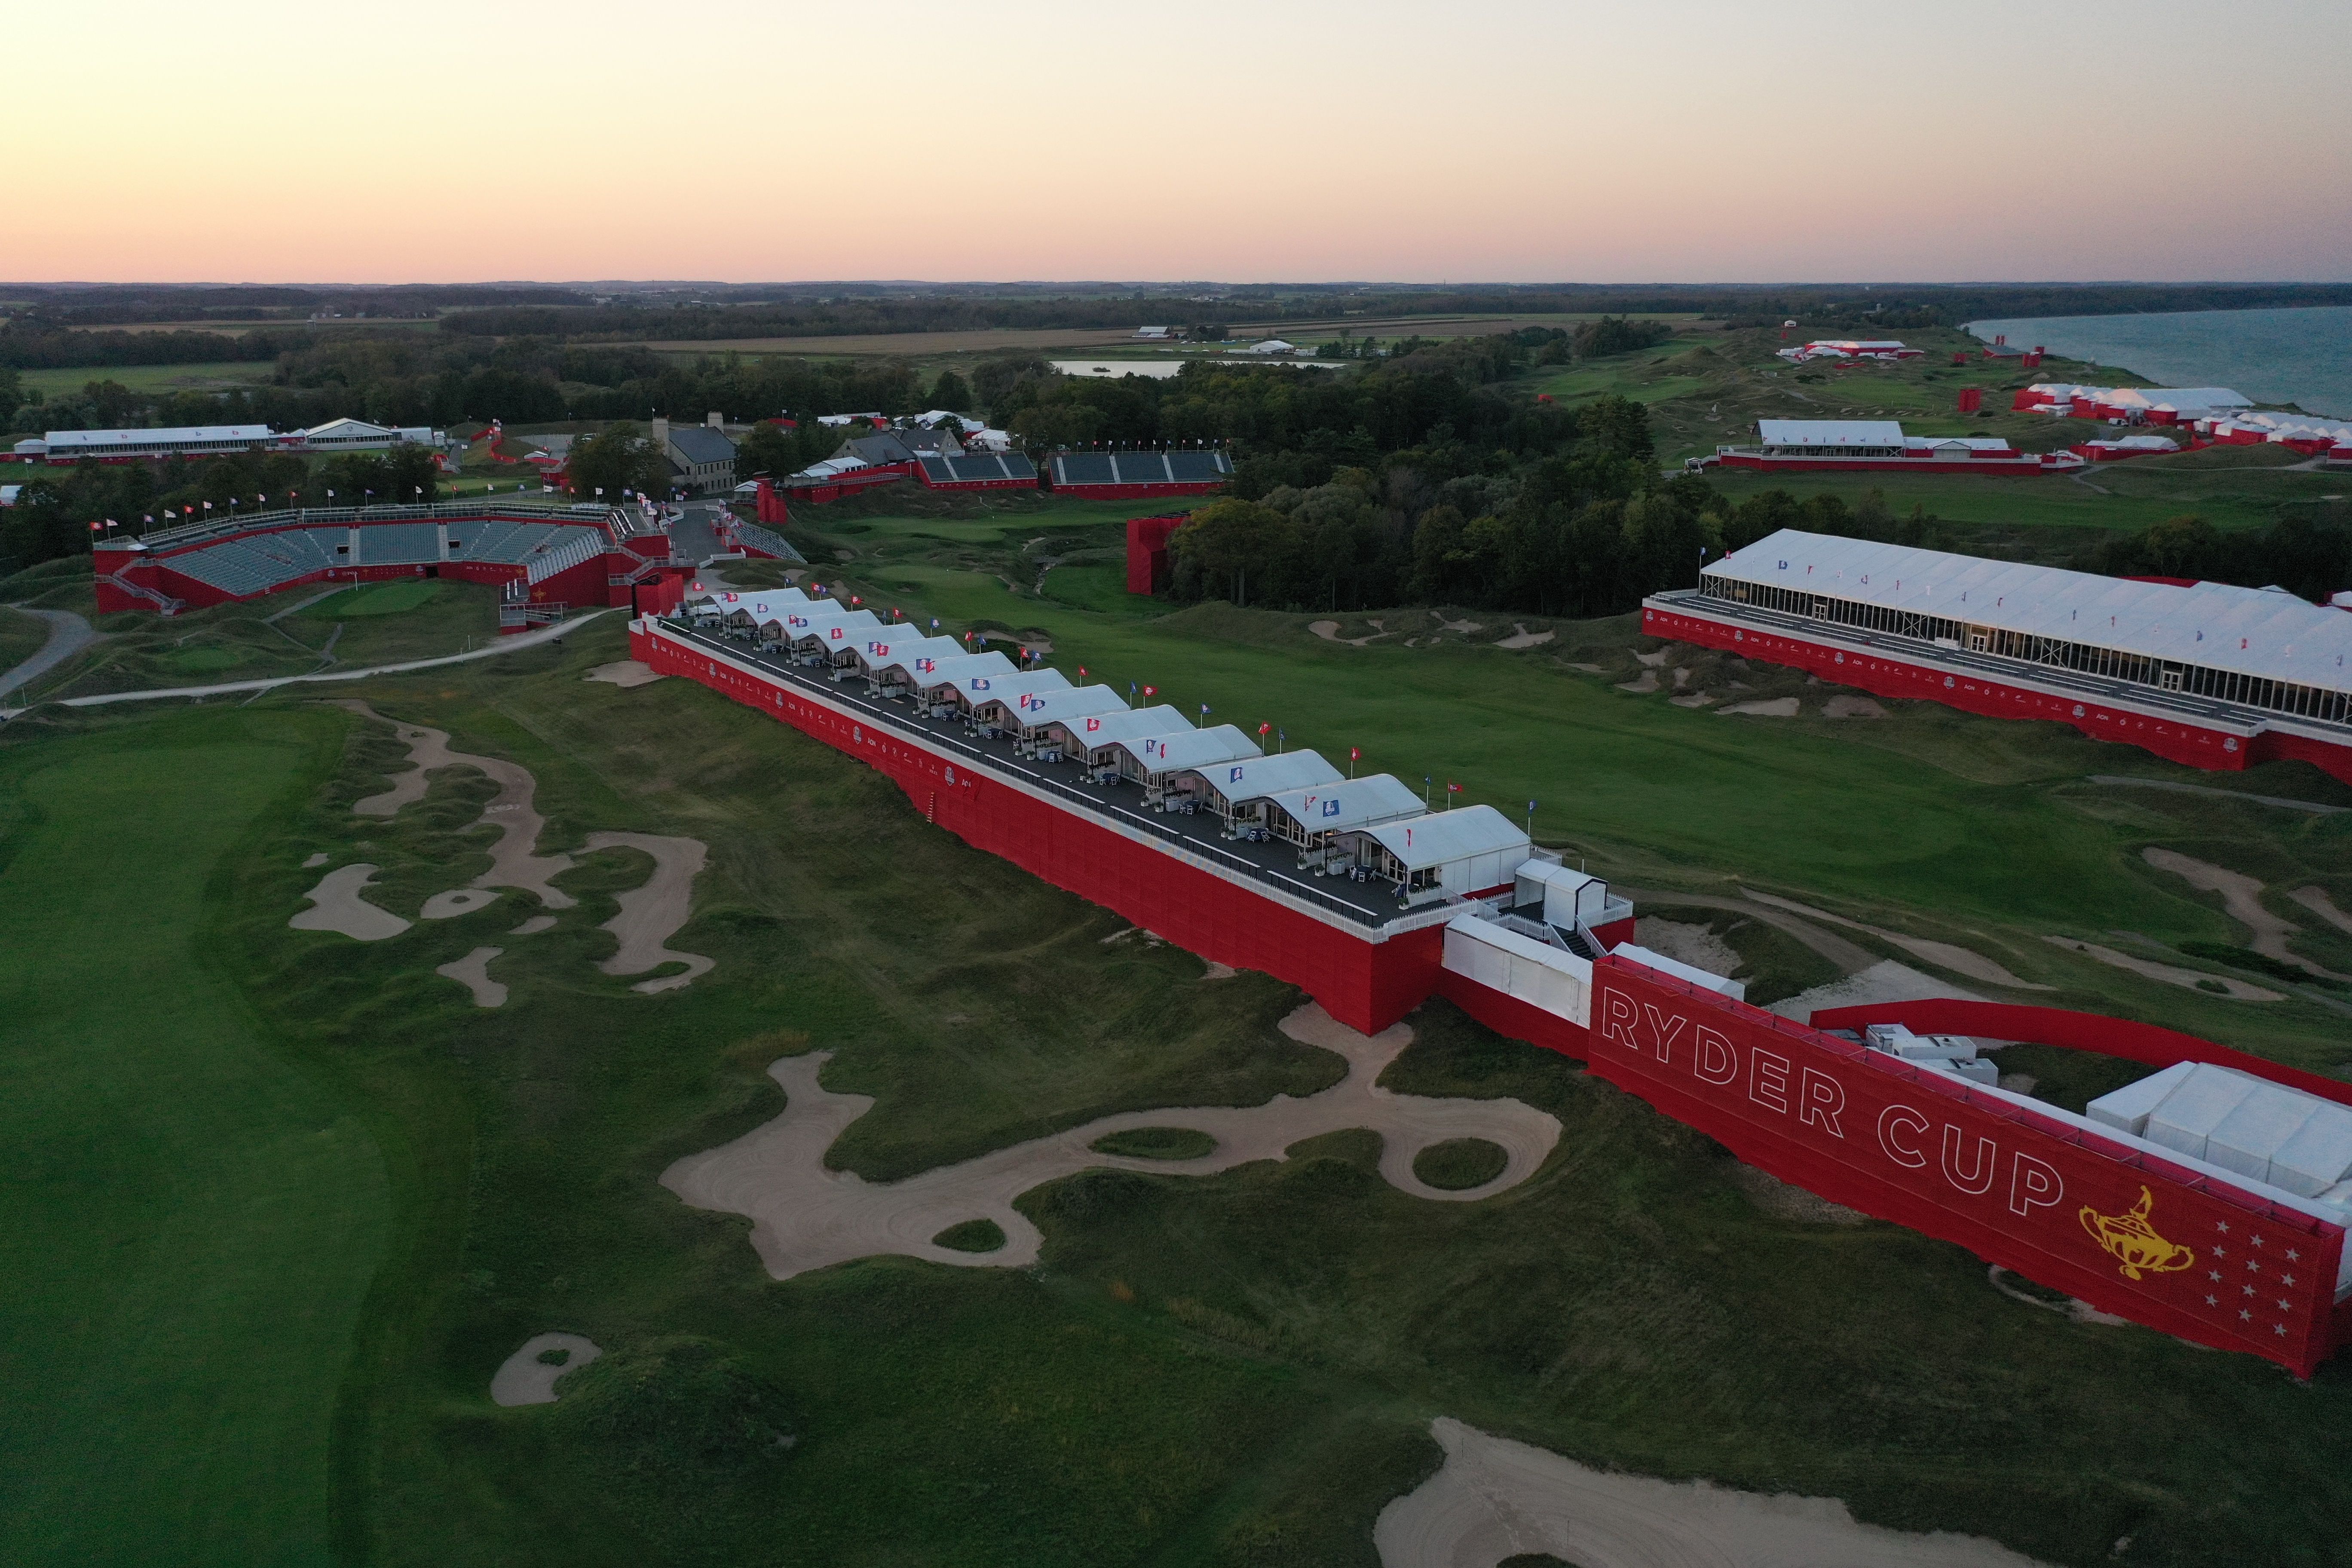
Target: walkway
68,635
230,688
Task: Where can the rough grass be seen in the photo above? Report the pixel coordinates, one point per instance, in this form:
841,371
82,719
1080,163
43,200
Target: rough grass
386,598
1235,1368
1156,1143
972,1236
21,636
1460,1163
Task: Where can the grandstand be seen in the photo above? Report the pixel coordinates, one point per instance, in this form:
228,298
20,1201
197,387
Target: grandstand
1133,475
546,557
977,471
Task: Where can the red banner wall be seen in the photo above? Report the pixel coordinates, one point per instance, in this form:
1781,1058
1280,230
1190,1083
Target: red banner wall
2124,1230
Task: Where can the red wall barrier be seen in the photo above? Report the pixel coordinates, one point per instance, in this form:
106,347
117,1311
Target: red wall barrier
2129,1232
2170,738
1364,983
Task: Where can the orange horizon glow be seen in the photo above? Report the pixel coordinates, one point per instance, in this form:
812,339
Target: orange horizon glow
1683,141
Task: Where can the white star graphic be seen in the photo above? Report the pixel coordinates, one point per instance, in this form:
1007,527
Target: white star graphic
2250,1289
2214,1274
2253,1266
2285,1305
2279,1328
2222,1226
2258,1241
2222,1251
2287,1280
2212,1300
2245,1317
2292,1255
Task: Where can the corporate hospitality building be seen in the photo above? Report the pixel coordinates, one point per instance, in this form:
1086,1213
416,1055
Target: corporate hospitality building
2203,673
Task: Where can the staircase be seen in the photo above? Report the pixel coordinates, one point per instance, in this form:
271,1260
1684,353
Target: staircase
163,602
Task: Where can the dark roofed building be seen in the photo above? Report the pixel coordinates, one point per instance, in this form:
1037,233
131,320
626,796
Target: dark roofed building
701,457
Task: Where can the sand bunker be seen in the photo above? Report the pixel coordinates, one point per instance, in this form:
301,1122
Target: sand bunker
1522,638
2316,901
315,861
1942,954
1494,1498
1771,708
1588,668
473,972
1464,627
1851,708
1682,676
458,901
2188,979
1330,632
650,915
1694,699
1641,684
2243,895
625,672
534,926
1688,943
512,864
336,905
1654,660
804,1216
524,1379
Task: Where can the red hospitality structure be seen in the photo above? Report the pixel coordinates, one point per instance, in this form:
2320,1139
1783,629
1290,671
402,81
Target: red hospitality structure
2205,674
2209,1200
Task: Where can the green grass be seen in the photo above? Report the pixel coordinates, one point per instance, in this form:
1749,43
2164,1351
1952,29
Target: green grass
386,598
208,377
21,636
1157,1143
972,1236
1228,1369
192,1218
381,622
1460,1163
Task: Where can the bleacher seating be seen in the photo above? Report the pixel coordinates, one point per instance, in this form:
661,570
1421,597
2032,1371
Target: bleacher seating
1199,468
399,544
1083,468
1142,468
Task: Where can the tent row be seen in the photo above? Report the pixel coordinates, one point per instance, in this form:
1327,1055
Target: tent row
1372,828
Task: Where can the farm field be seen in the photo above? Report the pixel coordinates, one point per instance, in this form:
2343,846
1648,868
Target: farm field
212,377
1230,1369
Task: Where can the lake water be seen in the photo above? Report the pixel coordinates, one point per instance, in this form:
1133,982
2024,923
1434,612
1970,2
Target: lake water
2302,356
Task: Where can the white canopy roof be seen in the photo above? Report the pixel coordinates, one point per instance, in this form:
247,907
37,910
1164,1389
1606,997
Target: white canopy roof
965,667
1095,731
980,690
1830,432
1253,778
2249,631
903,646
1070,703
177,436
1420,842
1181,748
1351,802
763,609
2176,398
832,627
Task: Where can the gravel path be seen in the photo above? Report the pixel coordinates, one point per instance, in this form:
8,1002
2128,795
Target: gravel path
514,644
805,1216
1494,1498
68,635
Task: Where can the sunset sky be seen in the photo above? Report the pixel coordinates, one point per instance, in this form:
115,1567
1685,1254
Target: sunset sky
1672,140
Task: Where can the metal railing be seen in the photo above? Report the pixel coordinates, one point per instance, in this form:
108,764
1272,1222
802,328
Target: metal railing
1292,887
539,568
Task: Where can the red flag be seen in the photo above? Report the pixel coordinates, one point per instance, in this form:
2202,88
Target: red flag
1354,755
1454,789
96,526
1151,691
1265,729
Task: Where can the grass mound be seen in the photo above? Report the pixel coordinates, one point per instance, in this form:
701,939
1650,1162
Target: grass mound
681,1425
1460,1163
1156,1143
971,1235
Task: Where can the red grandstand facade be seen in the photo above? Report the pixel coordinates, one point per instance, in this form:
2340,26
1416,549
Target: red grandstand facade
2113,1220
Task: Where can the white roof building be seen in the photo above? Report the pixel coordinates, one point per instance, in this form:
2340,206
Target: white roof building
2183,401
954,674
1094,732
1844,437
1273,346
2261,633
1461,852
359,435
67,445
1181,749
1237,781
903,647
979,692
1037,709
1348,804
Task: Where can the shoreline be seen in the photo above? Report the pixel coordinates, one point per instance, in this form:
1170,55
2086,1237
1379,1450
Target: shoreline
2296,358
